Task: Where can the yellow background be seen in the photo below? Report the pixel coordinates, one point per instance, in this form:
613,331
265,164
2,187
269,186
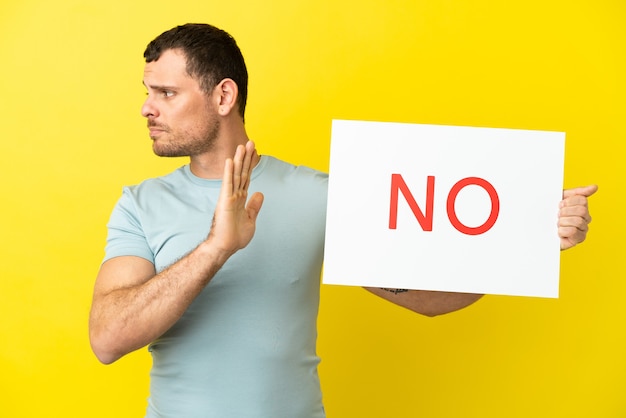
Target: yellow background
72,135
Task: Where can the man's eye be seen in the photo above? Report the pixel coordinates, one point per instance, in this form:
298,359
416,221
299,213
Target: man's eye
168,93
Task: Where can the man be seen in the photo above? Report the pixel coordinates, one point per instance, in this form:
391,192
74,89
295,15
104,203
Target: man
226,295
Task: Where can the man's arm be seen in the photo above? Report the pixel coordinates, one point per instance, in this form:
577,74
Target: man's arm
132,305
573,224
426,302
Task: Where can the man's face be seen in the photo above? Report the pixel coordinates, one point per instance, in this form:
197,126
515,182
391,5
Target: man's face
181,118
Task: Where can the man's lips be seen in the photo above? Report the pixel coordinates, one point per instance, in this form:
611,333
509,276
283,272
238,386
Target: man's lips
156,129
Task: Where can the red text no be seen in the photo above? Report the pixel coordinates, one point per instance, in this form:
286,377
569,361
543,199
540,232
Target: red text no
425,218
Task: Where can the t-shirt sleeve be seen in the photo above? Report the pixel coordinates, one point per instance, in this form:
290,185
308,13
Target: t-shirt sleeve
125,232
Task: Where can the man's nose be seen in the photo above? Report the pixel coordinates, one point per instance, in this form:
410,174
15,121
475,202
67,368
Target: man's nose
148,109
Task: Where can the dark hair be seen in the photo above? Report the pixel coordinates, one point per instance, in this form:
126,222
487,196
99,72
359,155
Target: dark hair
212,55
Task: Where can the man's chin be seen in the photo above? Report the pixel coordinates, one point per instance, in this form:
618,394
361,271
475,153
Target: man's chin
166,152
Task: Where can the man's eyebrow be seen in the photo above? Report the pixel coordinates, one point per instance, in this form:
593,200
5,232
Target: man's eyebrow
159,86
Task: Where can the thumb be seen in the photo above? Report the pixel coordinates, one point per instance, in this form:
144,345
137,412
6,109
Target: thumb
584,191
254,205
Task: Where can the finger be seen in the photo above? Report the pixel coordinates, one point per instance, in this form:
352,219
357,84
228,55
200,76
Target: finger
572,234
237,166
571,223
571,237
576,200
247,165
574,210
227,179
567,243
574,214
254,205
584,191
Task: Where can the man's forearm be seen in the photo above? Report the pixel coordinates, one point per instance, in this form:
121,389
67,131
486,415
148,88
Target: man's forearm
127,318
427,303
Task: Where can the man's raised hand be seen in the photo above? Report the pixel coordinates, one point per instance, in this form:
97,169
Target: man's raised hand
234,221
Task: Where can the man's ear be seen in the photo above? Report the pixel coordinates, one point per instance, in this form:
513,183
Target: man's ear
226,93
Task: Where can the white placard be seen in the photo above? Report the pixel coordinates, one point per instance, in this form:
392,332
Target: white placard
446,208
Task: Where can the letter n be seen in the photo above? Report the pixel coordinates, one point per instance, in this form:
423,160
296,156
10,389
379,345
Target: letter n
425,219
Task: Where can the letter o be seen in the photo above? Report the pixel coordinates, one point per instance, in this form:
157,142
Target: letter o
495,206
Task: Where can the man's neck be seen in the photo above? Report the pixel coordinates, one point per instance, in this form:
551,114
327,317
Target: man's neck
210,165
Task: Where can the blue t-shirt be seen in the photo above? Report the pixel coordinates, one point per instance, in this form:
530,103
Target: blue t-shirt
246,346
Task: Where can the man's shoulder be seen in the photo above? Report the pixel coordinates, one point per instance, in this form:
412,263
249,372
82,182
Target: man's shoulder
292,184
292,172
173,179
